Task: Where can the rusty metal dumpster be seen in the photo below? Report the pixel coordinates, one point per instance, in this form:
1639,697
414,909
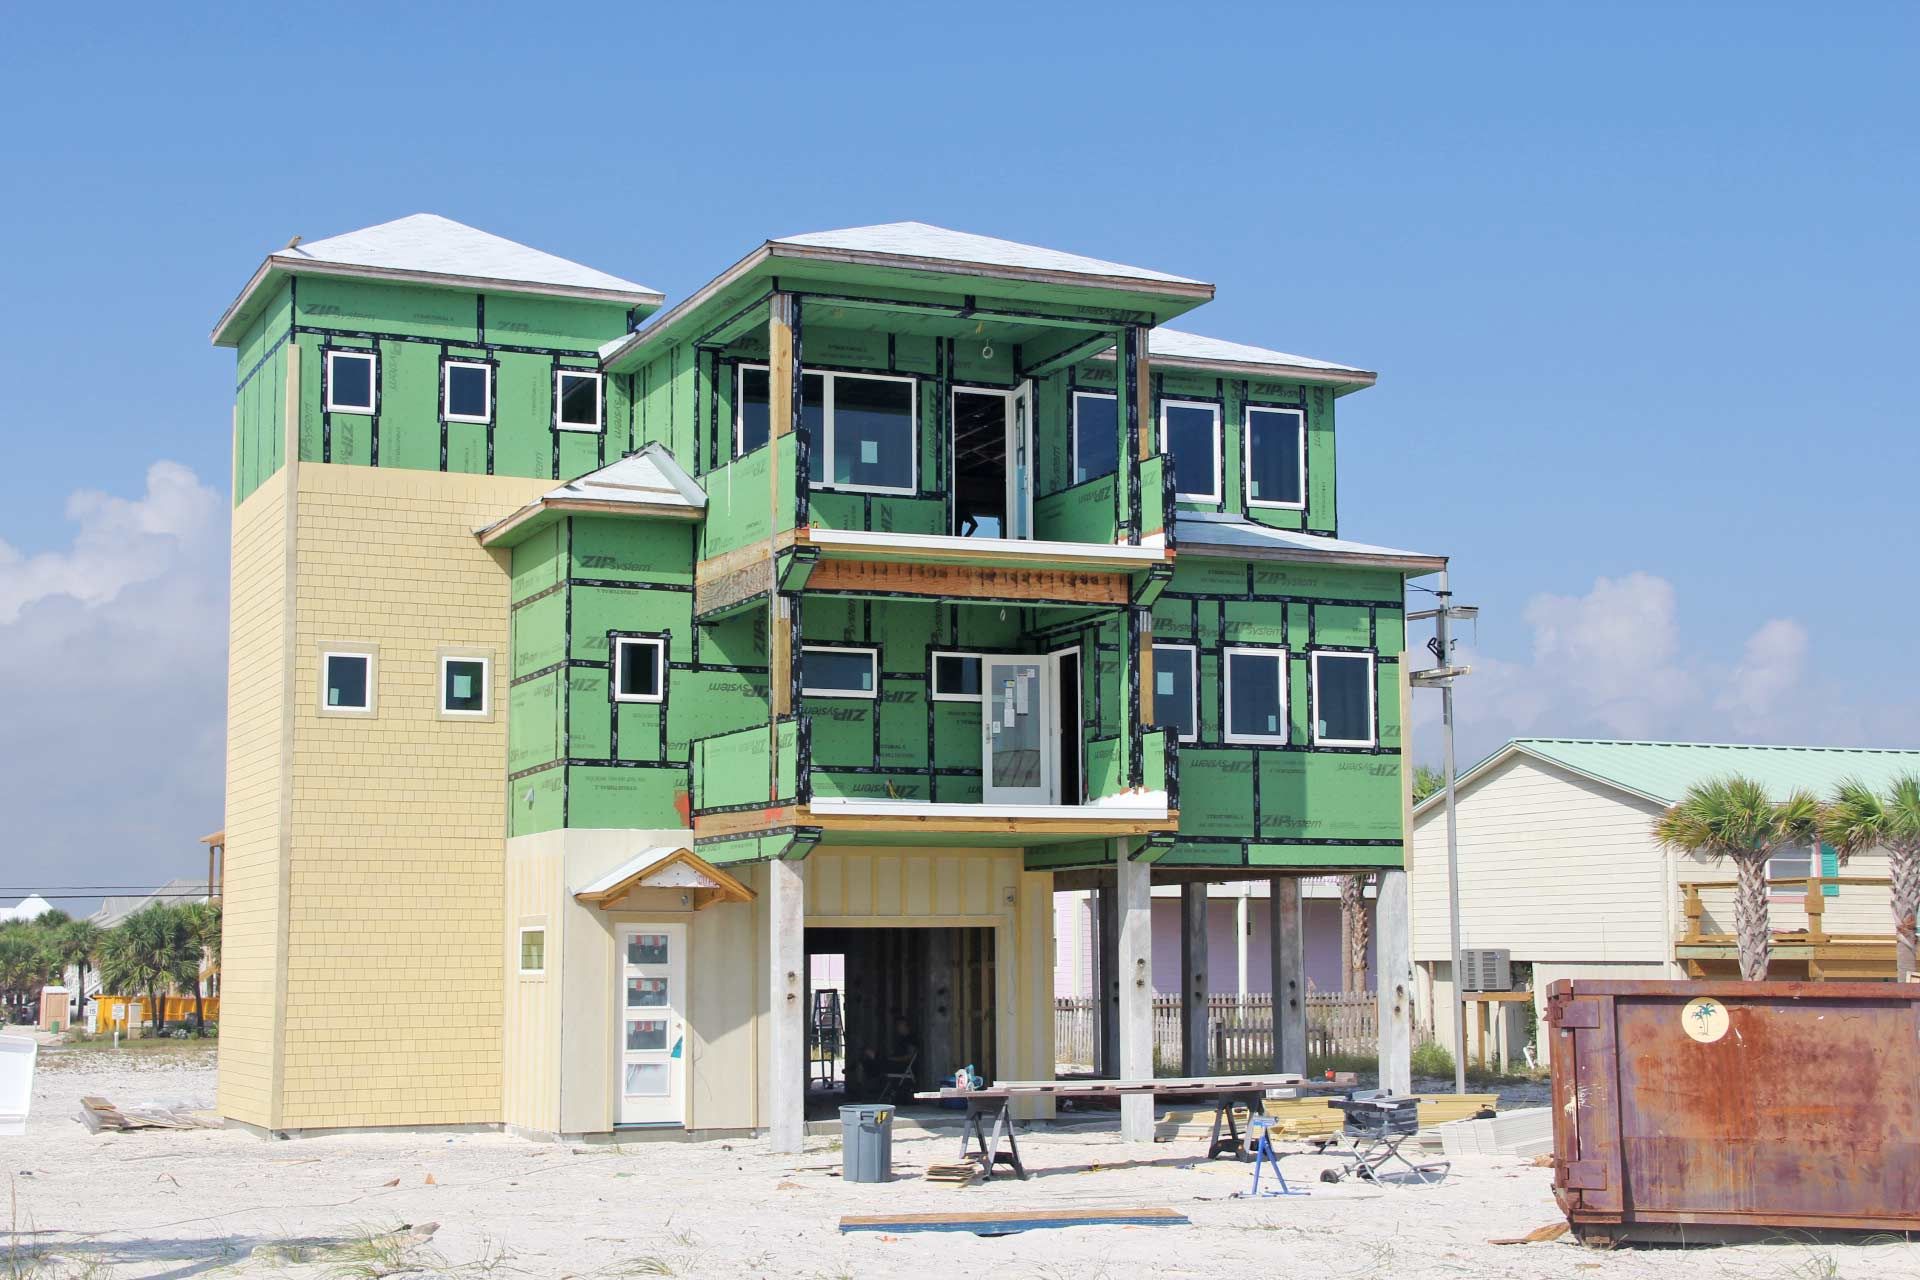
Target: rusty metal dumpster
1680,1105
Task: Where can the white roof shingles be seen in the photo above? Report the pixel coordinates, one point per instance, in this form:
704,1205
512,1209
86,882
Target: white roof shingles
650,477
1172,344
1219,532
431,244
921,240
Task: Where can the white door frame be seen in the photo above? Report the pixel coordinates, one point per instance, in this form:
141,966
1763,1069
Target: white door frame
1061,790
662,1046
1016,496
1041,710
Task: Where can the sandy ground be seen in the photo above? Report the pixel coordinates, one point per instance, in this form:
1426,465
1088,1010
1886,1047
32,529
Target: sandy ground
177,1204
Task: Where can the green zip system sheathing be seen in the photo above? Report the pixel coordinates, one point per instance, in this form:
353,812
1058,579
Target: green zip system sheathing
414,330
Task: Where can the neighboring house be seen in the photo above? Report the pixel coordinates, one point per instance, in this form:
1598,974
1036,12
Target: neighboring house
888,582
1239,939
31,907
1559,866
112,911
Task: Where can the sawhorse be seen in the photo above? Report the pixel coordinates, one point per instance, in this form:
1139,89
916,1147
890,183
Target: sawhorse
990,1155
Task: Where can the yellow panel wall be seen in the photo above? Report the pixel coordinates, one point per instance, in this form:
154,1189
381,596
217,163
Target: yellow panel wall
393,1001
258,640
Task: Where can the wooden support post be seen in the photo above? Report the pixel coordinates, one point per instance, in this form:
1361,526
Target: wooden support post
1145,659
1194,1030
783,402
1392,941
1695,913
1816,902
1135,906
1287,939
787,1016
1106,980
1242,934
1146,445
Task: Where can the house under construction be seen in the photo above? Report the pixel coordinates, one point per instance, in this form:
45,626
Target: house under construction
594,665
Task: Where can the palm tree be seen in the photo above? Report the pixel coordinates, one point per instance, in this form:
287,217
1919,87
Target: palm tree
203,927
26,965
1353,930
1858,819
1734,818
77,943
152,951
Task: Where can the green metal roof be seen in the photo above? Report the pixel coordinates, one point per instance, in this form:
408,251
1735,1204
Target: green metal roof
1662,771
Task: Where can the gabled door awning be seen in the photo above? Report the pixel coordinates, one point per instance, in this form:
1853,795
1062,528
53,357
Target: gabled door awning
666,867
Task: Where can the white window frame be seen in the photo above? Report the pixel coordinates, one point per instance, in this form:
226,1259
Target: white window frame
1166,448
1810,854
826,443
446,391
599,401
1073,433
873,658
373,380
659,647
1227,656
933,677
1373,698
327,654
1193,684
520,951
486,687
1246,456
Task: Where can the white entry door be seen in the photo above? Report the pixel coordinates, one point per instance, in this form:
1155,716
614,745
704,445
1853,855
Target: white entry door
1020,462
652,1050
1016,731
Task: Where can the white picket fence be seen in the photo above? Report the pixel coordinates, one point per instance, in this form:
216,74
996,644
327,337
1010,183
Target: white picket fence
1338,1022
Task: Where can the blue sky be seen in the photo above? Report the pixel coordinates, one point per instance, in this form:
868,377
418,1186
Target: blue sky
1640,283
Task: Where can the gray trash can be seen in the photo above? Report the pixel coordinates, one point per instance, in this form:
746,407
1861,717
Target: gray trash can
866,1143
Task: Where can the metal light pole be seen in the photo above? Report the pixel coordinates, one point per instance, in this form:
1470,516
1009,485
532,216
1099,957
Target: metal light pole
1442,678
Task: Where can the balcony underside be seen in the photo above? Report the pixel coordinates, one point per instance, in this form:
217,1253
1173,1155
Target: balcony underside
915,822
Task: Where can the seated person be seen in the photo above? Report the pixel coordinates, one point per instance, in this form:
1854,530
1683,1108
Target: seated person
873,1069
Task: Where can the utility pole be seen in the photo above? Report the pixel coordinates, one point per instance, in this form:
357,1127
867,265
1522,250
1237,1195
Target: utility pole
1442,678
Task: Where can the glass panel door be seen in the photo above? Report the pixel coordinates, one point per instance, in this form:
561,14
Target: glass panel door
1020,463
1015,725
651,1044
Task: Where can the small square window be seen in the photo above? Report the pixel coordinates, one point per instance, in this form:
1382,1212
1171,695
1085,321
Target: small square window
956,677
1343,699
1276,457
1173,689
1256,695
1190,432
638,669
346,682
576,400
1096,435
351,379
533,951
839,673
466,391
463,686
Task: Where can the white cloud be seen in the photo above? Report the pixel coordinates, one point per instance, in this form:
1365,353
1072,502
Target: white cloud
113,673
1615,662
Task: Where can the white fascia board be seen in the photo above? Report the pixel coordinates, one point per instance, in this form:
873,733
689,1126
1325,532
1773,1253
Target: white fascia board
1147,806
1017,548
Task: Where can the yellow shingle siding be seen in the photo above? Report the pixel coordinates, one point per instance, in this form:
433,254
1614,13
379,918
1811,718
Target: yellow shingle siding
256,724
393,996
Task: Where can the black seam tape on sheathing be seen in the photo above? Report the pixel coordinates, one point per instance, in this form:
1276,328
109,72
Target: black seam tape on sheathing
750,807
373,335
759,833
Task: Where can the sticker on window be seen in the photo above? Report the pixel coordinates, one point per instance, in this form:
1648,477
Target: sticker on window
1163,683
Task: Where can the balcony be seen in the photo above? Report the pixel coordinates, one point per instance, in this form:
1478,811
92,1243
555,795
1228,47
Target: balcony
1823,927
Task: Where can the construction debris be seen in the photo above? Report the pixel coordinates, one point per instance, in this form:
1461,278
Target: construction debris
959,1174
1008,1223
98,1114
1539,1235
1526,1132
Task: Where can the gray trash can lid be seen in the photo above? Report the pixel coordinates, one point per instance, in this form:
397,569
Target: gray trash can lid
866,1114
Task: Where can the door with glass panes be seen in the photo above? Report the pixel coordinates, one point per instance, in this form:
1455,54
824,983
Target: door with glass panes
652,1062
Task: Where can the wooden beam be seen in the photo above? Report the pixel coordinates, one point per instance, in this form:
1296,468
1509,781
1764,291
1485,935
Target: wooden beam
940,581
1143,389
1060,350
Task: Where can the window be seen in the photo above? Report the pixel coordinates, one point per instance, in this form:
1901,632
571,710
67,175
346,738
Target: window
1173,685
1096,435
637,669
351,378
346,682
838,673
1343,699
576,400
1789,863
956,677
1276,457
1256,695
463,686
533,951
1190,431
466,391
863,427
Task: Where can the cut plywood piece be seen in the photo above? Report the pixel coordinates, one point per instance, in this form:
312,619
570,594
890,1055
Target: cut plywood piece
1012,1221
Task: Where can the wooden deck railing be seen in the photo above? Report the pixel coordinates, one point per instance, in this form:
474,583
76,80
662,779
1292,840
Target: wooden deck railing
1814,900
1338,1023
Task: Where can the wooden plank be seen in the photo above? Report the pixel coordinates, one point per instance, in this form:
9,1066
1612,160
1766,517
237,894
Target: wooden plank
1010,1221
948,581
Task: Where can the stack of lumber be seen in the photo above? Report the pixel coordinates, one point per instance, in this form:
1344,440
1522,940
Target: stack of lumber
98,1114
958,1174
1526,1132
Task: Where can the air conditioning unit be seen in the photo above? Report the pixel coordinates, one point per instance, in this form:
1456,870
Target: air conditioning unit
1489,969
